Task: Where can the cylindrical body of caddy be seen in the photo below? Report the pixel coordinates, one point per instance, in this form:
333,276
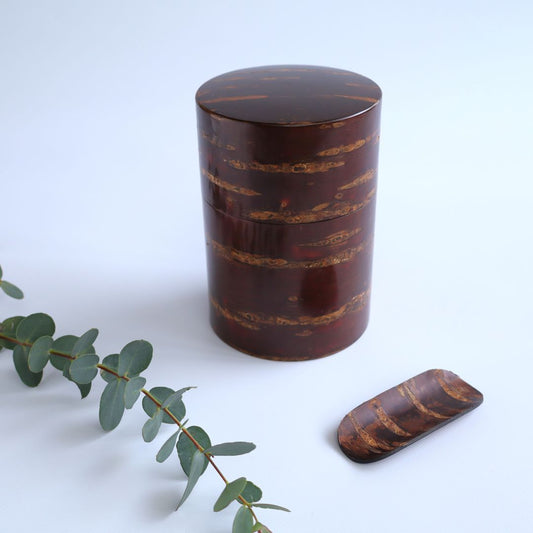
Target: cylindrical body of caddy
288,161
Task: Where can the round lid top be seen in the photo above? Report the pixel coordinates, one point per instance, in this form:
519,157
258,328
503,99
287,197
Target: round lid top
292,95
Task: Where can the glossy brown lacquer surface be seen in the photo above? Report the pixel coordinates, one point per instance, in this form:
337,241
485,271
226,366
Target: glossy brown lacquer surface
288,159
404,414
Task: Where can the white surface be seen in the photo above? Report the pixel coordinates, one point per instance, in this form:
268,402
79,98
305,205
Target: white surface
102,227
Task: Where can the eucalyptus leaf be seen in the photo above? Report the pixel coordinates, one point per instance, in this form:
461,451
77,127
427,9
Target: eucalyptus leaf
186,449
9,329
39,353
1,272
111,362
112,404
243,521
175,397
151,426
83,369
177,409
231,448
84,344
231,492
133,390
84,389
134,358
34,326
198,466
260,527
161,394
64,345
271,506
252,493
166,450
66,369
11,290
175,405
20,359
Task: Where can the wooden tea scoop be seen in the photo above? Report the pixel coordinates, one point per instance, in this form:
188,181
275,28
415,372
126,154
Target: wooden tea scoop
402,415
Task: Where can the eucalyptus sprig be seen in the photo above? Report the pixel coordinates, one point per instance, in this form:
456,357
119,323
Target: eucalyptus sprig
31,340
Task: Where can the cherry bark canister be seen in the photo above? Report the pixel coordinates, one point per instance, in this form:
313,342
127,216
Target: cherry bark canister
288,160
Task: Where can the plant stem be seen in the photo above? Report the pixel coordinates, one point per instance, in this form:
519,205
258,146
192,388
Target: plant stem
157,403
30,344
198,446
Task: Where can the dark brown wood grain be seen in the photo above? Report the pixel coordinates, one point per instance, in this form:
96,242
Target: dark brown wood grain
405,413
288,162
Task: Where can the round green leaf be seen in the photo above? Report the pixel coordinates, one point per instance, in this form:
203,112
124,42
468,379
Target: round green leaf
166,450
231,448
20,358
175,405
111,362
84,344
132,390
252,493
66,369
11,290
83,369
151,426
175,397
34,326
243,521
39,353
186,449
64,345
161,394
112,404
9,329
177,409
231,492
134,358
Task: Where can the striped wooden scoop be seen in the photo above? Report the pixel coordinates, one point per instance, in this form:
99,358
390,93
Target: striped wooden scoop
402,415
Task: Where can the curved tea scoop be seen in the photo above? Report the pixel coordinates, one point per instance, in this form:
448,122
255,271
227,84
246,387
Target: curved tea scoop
405,413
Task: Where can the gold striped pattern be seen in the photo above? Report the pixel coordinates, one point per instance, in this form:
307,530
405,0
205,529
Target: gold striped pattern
239,318
215,141
451,391
329,125
367,176
361,98
256,320
235,98
311,167
229,186
334,239
407,393
230,254
304,333
346,148
354,84
372,443
302,217
273,78
387,421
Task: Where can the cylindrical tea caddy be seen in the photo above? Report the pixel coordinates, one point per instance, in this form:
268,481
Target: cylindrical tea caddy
288,161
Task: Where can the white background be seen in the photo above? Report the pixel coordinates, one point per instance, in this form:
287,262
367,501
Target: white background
102,227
